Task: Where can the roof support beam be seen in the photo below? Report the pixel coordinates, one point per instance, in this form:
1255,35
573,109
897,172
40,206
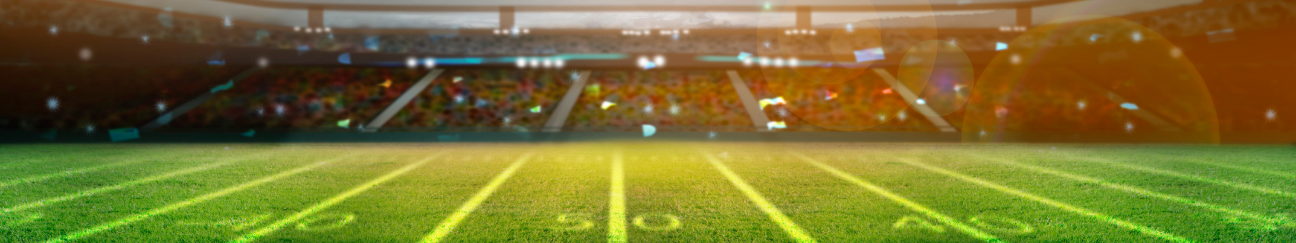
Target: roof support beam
803,17
315,17
506,19
1024,16
648,8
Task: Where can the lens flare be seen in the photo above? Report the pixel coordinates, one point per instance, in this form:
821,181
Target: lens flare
1107,91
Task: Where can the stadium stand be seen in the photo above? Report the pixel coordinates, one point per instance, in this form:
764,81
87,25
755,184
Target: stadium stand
301,99
891,111
435,108
484,100
669,100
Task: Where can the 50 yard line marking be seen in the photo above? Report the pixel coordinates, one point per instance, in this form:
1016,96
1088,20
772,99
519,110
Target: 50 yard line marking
1061,205
966,229
180,205
617,201
263,231
783,221
447,226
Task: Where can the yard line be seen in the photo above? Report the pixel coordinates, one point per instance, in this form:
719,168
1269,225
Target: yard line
1131,189
447,226
617,201
1229,166
1061,205
263,231
789,227
949,221
86,193
1235,185
180,205
99,152
36,178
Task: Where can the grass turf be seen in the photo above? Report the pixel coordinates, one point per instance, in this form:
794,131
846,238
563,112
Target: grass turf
666,192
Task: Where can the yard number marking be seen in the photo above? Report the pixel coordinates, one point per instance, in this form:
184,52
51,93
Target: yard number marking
672,222
574,222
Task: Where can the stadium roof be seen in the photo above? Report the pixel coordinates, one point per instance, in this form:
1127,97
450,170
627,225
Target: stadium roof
644,14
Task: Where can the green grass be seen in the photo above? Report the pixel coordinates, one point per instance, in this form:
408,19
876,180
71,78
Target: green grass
665,192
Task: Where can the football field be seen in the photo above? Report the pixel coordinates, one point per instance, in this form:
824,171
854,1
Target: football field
646,192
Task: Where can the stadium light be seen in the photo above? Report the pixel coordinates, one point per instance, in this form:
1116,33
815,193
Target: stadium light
411,62
642,62
659,60
429,62
521,62
792,62
85,54
559,63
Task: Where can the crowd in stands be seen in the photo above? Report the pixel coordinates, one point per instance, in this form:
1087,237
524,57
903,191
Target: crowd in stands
484,100
311,98
668,100
504,99
1056,105
853,100
98,98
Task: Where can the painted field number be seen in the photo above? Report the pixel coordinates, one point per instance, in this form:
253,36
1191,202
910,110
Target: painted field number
320,222
646,222
1274,223
657,222
326,222
574,222
987,222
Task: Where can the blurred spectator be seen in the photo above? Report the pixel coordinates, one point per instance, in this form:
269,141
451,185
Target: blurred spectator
669,100
302,98
484,100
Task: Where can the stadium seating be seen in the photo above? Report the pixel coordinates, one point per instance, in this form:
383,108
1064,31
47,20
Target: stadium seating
484,100
302,99
490,96
669,100
888,106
